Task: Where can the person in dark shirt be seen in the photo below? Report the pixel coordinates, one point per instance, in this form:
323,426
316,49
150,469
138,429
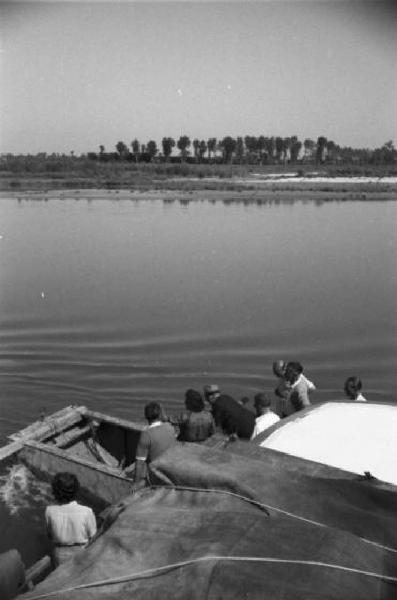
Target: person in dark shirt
196,424
229,415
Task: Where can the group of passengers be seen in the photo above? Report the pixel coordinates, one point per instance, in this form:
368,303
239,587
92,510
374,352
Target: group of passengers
71,525
225,414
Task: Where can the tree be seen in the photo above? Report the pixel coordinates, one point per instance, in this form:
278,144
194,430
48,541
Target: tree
295,148
183,144
196,146
261,145
202,149
211,145
239,149
270,146
387,154
309,146
135,148
168,143
279,148
320,149
228,145
330,145
121,149
151,149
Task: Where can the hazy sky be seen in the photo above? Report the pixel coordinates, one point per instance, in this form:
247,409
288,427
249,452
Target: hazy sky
76,75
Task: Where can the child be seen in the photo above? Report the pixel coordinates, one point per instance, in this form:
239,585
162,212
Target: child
352,389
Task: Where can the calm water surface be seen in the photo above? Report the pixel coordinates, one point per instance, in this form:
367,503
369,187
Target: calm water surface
114,303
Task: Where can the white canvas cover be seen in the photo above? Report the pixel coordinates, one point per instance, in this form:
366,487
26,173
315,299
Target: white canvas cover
354,436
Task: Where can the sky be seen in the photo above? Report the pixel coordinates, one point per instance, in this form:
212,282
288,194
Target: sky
77,75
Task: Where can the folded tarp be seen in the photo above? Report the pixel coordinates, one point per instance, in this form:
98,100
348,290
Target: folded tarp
188,544
309,490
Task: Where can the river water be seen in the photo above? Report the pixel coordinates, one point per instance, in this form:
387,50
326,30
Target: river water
112,302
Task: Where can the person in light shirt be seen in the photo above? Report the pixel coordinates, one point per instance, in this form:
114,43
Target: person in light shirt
301,387
70,525
265,416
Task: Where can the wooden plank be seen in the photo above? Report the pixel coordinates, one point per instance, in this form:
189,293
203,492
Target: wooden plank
69,437
39,570
10,449
131,425
50,425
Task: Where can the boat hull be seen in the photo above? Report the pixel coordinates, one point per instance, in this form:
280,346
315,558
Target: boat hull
100,485
93,446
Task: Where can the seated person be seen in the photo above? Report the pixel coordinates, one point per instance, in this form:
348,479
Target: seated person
229,415
195,425
353,387
265,416
69,525
154,440
300,387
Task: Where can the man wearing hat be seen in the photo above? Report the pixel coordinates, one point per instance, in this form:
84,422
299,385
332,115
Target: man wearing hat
229,415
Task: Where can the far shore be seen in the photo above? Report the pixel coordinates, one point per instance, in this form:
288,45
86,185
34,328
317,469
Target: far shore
253,188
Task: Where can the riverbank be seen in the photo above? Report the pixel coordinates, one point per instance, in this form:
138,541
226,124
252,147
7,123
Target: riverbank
79,177
247,190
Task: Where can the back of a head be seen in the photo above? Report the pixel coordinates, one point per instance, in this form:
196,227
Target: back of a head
352,386
261,401
194,400
65,487
153,411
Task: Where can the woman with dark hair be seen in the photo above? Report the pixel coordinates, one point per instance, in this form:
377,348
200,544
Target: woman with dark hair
196,424
69,525
352,387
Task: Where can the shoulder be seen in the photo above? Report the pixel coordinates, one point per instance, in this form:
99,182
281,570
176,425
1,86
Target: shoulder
145,435
225,401
84,508
309,384
167,427
300,386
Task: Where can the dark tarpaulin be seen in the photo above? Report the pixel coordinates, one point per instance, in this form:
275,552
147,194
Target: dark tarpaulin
165,526
314,491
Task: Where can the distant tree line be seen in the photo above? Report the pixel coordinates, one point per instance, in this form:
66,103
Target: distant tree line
249,150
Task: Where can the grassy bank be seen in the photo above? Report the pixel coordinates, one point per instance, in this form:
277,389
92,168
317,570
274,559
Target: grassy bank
185,178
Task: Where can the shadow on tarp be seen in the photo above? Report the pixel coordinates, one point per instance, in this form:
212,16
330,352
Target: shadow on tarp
163,526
